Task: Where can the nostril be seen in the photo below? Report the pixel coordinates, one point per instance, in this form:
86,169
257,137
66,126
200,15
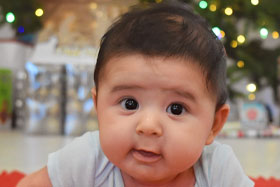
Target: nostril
140,132
155,133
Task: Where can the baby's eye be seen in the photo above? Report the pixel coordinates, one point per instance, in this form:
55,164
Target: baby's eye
175,109
129,104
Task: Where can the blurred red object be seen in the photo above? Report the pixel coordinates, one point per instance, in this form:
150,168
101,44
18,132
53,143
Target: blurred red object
262,182
10,179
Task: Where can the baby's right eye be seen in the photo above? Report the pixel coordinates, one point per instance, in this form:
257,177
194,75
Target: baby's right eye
129,104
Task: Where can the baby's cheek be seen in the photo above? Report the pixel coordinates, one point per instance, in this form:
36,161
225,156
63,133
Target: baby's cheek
109,148
183,156
114,144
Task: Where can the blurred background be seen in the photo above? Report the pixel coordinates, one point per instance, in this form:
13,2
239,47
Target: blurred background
48,50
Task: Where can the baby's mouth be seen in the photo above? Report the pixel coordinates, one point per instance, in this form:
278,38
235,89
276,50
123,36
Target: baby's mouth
146,156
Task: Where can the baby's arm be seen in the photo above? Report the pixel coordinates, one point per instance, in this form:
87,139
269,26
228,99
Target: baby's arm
38,178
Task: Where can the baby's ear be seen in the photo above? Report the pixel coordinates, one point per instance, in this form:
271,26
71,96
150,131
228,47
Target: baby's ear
219,121
94,97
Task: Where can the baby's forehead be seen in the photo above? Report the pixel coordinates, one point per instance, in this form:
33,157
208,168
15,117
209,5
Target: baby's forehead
155,64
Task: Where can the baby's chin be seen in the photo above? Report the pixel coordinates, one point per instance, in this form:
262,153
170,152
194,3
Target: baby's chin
146,178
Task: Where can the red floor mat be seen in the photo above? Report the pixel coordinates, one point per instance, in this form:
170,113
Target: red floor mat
11,179
262,182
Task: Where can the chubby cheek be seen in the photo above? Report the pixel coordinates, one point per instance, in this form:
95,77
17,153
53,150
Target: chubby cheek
186,156
184,149
115,140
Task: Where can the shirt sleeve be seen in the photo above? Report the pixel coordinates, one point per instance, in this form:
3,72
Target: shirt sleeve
73,165
226,170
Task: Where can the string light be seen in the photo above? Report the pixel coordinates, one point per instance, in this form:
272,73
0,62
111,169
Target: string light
223,33
39,12
233,43
240,64
275,35
217,32
212,7
263,33
251,97
228,11
203,4
10,17
21,29
251,87
255,2
241,39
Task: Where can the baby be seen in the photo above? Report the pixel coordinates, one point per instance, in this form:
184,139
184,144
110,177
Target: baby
160,93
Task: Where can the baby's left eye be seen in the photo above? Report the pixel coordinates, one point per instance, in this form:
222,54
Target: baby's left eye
176,109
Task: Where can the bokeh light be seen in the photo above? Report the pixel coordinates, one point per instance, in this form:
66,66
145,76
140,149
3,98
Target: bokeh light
39,12
263,33
251,96
251,87
240,64
10,17
212,7
241,39
275,34
228,11
93,6
21,29
255,2
223,33
203,4
233,43
217,32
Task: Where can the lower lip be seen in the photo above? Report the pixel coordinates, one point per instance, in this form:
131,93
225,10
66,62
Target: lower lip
146,157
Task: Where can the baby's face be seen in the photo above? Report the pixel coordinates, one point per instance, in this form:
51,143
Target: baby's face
155,116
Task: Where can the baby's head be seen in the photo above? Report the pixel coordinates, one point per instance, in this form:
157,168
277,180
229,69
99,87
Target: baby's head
171,30
160,93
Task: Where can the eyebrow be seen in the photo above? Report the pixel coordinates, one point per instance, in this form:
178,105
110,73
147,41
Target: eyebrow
124,87
182,93
185,94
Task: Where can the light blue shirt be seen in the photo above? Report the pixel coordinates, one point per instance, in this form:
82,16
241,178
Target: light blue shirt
83,163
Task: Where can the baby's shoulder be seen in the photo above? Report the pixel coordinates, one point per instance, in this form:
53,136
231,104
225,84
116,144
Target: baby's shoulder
218,166
87,160
215,156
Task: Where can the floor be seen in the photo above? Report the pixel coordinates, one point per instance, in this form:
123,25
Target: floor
26,153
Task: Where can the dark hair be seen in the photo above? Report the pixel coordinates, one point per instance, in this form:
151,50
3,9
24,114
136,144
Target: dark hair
167,30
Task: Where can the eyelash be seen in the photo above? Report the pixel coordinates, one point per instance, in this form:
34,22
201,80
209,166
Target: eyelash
124,98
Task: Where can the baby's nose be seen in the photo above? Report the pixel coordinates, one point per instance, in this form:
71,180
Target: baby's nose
149,125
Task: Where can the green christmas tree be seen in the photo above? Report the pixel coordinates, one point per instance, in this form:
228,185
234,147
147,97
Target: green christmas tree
233,21
21,15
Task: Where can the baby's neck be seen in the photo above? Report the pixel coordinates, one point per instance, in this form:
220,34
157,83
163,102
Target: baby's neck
185,179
